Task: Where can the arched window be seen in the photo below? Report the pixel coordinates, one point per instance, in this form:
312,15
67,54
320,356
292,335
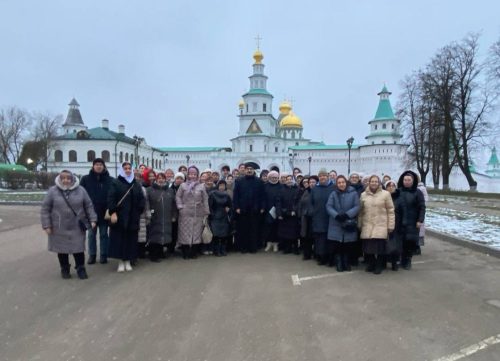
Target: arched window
90,156
383,142
160,165
126,157
58,156
392,126
105,155
384,126
132,159
376,126
120,159
72,156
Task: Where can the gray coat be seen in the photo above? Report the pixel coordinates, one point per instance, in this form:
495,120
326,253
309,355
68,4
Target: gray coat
67,237
339,202
163,210
193,208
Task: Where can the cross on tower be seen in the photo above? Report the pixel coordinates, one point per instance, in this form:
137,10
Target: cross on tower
258,39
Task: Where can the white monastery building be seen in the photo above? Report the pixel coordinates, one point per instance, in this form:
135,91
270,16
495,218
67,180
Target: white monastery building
263,138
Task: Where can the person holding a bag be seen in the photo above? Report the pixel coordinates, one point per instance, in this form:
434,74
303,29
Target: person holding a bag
161,200
66,214
220,205
343,208
192,203
126,202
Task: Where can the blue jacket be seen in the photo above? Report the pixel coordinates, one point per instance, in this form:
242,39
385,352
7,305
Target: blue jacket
318,199
347,203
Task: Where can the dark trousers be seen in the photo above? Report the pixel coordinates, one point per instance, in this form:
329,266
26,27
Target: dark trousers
219,245
409,247
289,245
64,259
102,226
307,246
175,232
155,251
248,232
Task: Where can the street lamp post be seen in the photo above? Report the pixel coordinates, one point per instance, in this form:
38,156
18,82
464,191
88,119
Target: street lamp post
187,160
292,160
309,160
349,146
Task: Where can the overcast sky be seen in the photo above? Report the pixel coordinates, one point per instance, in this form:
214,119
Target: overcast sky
174,71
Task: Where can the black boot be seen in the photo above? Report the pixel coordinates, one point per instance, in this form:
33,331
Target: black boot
394,262
65,272
81,272
184,249
379,265
370,263
406,263
338,263
346,264
104,259
321,260
92,259
217,249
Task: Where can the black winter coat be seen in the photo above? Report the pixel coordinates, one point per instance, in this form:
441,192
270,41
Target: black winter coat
163,209
272,193
411,205
130,210
97,187
219,219
319,197
248,195
288,227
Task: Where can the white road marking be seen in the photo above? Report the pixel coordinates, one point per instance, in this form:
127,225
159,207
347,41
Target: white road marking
495,303
297,281
472,349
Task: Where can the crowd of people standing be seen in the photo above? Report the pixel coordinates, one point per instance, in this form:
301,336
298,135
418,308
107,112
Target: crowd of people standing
337,220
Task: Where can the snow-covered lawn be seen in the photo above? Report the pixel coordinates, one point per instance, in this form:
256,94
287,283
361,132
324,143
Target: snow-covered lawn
477,227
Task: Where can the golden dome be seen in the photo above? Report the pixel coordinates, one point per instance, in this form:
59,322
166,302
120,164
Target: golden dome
285,107
241,104
258,56
291,121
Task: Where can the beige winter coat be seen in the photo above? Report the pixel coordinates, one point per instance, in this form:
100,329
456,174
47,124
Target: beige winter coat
376,216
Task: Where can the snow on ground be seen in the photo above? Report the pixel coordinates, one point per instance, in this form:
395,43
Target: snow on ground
481,228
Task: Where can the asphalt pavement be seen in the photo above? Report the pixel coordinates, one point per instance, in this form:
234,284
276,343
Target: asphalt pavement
243,307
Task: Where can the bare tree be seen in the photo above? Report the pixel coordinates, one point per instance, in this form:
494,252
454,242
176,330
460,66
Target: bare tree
14,125
472,101
412,112
45,129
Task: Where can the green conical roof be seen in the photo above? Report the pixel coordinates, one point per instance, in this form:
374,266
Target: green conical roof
384,110
493,159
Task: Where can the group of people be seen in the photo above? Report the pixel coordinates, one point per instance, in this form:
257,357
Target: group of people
331,218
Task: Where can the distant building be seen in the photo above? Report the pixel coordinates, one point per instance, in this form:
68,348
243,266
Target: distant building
76,149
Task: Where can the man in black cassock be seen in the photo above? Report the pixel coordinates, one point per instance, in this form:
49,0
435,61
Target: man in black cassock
248,205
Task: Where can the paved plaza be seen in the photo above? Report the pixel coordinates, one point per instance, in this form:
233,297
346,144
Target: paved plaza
243,307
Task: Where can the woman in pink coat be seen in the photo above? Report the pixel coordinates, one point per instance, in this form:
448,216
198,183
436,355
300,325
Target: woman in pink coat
192,203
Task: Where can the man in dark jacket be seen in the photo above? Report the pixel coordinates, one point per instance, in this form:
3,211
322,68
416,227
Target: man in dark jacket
248,205
97,184
412,214
320,218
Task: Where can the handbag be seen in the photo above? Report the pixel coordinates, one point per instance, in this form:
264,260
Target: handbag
206,235
349,225
107,215
81,224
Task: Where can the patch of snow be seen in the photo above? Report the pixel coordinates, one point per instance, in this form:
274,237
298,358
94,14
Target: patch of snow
476,227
